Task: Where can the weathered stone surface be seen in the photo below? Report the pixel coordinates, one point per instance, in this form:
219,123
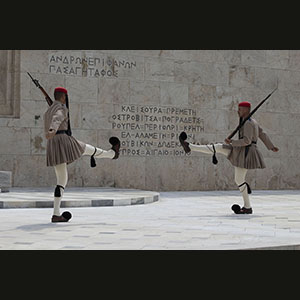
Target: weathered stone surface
114,91
15,140
159,69
202,96
199,72
278,59
241,76
5,181
37,141
144,92
254,58
174,94
146,98
82,90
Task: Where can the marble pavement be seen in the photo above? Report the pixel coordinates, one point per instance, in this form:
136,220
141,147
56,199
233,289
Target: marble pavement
179,220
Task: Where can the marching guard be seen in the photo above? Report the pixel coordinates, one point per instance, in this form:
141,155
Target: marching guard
242,153
63,149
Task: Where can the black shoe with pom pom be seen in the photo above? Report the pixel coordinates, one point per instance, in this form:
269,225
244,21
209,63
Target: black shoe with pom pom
115,146
184,144
238,210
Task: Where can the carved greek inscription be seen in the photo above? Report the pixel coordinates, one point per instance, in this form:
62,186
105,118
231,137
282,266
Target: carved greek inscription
102,66
154,130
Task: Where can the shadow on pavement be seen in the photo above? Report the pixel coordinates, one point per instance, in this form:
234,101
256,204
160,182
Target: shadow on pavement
36,227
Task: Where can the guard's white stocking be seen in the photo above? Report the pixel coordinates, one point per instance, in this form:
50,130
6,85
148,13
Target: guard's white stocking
239,177
89,150
208,149
62,179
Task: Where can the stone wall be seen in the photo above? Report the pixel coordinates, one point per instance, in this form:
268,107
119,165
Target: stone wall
146,98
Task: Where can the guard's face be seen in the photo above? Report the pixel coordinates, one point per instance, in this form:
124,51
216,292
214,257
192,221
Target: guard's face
243,111
63,98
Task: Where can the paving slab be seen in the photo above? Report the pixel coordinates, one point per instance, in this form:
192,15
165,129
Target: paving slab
178,221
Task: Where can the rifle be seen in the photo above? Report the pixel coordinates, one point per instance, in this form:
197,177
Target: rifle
250,114
47,97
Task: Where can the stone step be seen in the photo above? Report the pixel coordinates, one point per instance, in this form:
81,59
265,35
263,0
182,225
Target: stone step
76,197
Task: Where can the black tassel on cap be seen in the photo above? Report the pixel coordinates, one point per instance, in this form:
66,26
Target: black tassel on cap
93,162
69,131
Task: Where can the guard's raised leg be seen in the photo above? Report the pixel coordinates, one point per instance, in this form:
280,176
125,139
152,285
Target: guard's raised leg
95,152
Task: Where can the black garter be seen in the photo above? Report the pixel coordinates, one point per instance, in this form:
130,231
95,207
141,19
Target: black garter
57,192
248,187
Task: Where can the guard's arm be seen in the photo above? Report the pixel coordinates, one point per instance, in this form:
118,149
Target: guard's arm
265,139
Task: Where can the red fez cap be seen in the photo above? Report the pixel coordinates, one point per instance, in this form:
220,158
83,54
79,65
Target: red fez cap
245,104
61,89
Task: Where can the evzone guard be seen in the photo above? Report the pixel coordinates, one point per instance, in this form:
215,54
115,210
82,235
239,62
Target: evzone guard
242,153
63,149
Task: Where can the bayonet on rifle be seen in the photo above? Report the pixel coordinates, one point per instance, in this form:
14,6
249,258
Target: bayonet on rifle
37,84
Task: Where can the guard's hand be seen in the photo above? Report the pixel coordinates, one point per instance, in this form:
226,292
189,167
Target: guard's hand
275,149
50,134
228,141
